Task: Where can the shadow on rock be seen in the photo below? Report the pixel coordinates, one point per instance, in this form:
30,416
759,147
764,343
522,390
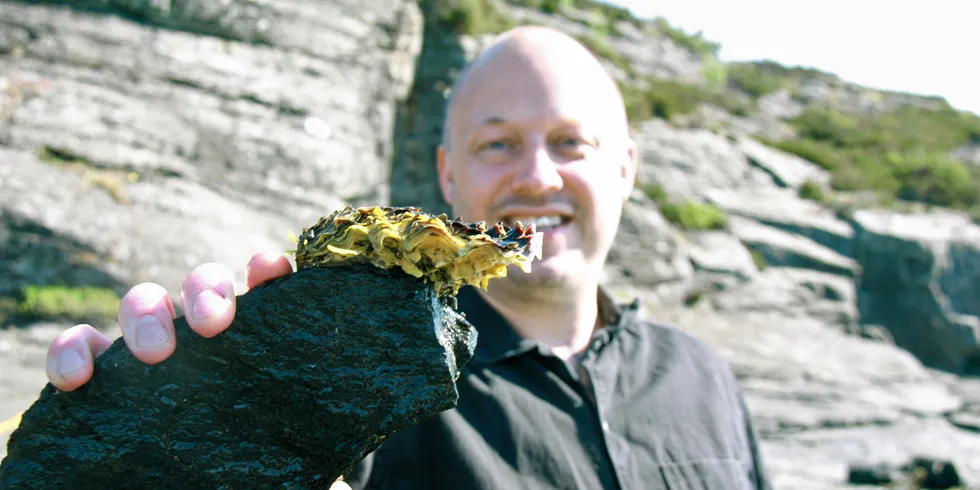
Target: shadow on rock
48,276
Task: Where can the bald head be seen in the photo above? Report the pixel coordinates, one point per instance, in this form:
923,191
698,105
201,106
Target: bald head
537,61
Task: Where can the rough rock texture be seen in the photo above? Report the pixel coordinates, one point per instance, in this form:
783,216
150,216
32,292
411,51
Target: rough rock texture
920,281
825,401
264,113
690,163
783,210
783,248
316,370
786,170
795,292
645,230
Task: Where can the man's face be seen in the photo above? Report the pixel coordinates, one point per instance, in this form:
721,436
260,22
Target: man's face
540,142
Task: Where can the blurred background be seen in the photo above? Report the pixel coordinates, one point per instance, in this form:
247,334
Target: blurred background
807,199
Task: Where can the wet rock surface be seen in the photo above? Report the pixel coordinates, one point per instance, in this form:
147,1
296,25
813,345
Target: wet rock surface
316,370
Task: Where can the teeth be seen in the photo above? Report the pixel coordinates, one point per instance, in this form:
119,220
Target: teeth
540,222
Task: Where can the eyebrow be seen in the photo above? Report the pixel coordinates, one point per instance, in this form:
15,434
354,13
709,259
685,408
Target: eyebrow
492,121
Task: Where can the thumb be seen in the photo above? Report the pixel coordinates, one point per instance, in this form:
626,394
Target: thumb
340,485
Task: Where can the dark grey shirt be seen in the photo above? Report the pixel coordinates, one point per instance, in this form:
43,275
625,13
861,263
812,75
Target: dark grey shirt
667,414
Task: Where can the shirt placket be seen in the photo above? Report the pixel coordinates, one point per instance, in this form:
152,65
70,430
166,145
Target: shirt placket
600,392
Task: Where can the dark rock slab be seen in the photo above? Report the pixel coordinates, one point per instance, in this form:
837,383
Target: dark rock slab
921,472
316,370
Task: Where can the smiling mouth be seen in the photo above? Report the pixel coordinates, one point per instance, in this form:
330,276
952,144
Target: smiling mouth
541,223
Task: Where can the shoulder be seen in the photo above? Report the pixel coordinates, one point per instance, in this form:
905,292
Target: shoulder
672,347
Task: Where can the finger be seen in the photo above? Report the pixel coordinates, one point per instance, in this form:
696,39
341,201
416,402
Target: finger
340,485
71,356
208,299
266,266
146,315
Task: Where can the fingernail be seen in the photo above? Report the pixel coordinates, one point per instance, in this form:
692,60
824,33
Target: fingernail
150,333
69,362
207,304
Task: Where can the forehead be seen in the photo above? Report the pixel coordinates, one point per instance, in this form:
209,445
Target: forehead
531,96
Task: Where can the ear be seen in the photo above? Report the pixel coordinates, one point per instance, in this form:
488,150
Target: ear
628,167
445,174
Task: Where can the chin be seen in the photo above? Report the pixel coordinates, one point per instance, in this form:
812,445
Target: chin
550,270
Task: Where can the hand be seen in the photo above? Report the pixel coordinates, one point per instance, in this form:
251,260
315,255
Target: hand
146,316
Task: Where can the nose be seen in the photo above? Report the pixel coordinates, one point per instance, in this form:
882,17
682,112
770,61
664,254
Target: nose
537,172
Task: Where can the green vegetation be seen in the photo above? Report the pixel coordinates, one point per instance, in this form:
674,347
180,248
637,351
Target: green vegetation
695,42
714,73
765,77
598,43
97,306
551,6
759,259
667,99
812,191
472,17
901,154
688,215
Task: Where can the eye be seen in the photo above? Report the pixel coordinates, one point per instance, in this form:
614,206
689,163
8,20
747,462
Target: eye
496,145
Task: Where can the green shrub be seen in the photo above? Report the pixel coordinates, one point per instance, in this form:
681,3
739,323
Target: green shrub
692,215
667,99
714,73
472,17
755,81
934,179
900,154
554,6
656,193
812,191
759,78
689,215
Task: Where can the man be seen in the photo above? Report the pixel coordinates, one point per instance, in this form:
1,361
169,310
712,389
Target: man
567,389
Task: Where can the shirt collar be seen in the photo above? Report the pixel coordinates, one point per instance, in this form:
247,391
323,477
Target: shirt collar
496,338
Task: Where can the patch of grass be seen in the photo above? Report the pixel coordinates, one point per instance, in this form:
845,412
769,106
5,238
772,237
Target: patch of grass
760,260
759,78
472,17
714,73
901,154
667,99
692,215
812,191
97,306
687,215
552,6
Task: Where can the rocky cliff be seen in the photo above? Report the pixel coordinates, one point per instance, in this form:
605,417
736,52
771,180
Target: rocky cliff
139,139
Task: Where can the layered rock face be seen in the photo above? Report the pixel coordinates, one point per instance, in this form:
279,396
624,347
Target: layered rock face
231,123
138,141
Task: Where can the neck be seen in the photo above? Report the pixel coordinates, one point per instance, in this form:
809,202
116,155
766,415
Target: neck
561,318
